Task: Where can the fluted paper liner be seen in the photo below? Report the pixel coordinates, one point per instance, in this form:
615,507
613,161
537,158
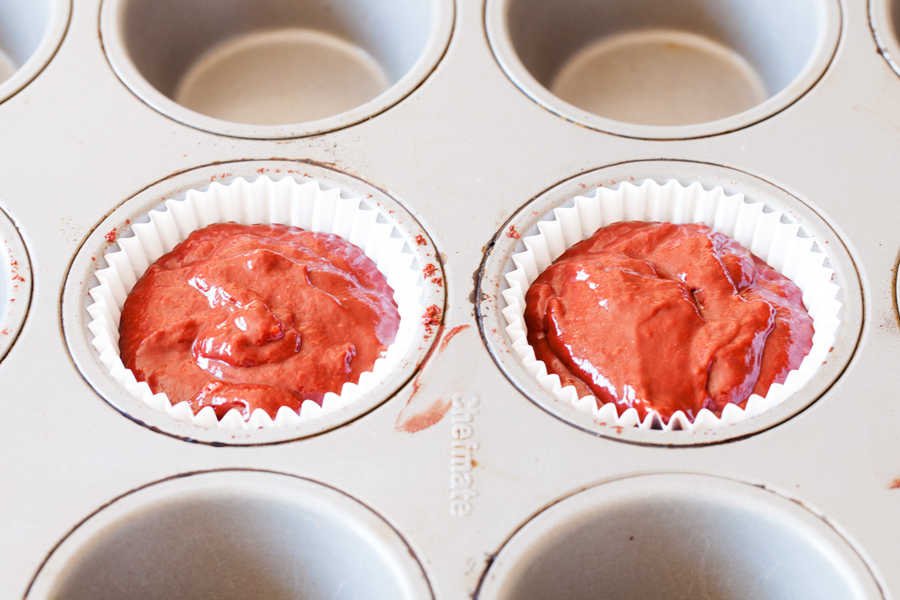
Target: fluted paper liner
285,202
784,246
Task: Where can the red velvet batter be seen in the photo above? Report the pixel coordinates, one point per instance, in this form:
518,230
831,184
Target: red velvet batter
666,317
256,316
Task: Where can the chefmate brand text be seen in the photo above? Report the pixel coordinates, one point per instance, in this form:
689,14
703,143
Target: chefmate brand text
462,448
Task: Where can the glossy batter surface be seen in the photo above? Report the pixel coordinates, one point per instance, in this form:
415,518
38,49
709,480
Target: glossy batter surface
256,316
666,317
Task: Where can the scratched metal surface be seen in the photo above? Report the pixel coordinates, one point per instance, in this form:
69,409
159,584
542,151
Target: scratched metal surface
463,152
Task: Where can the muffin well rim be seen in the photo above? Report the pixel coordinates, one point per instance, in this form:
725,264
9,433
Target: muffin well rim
45,52
133,501
507,59
500,249
117,57
886,38
74,299
791,506
12,248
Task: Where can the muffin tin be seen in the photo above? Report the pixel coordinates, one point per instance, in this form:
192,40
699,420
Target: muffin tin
461,478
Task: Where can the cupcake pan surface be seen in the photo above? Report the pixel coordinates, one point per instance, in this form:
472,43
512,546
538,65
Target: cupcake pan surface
457,478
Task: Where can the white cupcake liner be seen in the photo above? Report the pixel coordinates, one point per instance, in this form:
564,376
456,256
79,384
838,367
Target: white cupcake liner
285,202
784,246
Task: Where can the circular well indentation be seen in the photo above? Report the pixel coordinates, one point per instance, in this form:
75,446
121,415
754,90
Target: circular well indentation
385,220
885,20
498,263
30,33
233,534
15,283
677,536
664,70
274,69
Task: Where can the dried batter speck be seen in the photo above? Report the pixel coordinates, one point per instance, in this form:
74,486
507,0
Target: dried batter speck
431,318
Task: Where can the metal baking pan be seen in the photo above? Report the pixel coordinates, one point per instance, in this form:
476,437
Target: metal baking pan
459,120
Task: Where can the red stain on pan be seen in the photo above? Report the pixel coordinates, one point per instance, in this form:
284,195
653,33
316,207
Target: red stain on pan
419,414
420,421
450,335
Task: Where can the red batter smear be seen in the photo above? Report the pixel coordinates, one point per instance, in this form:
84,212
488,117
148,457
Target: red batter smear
666,317
451,334
414,418
424,419
257,316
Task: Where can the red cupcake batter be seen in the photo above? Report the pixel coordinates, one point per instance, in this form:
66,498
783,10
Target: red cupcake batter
256,316
666,317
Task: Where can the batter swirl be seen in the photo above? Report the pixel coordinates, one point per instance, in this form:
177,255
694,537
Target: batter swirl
256,316
666,317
